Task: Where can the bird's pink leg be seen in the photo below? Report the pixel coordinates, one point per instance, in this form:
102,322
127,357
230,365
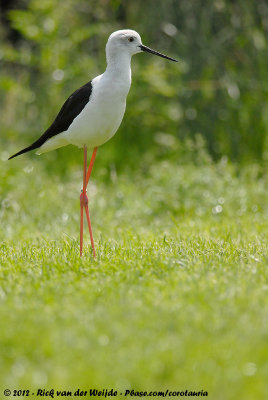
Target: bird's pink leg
81,228
90,231
91,163
84,199
86,205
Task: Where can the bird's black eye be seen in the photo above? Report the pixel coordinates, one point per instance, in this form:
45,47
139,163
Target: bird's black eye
130,39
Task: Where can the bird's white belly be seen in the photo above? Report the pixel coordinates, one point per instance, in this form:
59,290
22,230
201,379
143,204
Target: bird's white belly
94,129
98,121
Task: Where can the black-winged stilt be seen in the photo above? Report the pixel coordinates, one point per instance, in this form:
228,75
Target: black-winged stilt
93,113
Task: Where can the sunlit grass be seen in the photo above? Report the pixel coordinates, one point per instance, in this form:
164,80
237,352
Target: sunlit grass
176,298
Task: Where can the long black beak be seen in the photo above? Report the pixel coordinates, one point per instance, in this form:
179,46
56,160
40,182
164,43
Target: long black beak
145,48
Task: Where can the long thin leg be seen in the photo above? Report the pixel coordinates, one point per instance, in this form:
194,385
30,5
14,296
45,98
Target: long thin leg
91,163
81,229
90,231
85,170
83,197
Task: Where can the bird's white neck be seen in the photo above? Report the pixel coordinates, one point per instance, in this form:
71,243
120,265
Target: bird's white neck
119,67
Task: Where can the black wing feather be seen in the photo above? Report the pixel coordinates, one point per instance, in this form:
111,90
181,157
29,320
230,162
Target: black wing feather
68,112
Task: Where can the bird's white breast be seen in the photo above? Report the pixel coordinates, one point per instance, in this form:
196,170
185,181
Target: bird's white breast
102,115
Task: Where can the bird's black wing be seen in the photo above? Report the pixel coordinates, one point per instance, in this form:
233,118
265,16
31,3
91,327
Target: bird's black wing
68,112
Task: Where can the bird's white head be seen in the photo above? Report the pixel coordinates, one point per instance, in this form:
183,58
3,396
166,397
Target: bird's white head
126,43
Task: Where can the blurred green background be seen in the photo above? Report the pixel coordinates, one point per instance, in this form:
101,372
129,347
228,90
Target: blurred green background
218,92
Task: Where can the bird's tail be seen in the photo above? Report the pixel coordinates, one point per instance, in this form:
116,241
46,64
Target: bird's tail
33,146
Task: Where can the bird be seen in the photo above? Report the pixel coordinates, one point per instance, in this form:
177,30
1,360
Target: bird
93,113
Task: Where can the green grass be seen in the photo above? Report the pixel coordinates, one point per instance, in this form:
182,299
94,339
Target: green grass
176,298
